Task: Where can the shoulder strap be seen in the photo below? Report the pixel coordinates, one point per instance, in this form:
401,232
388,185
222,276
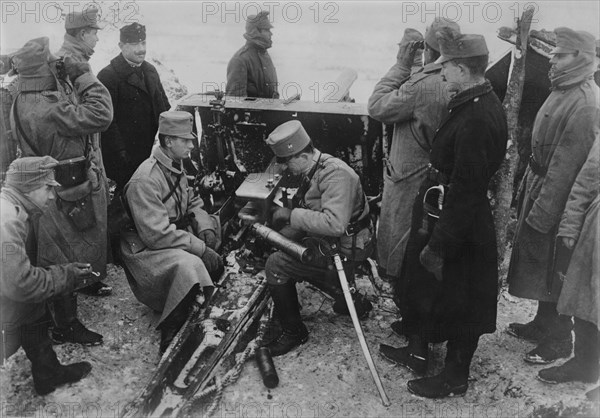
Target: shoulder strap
172,186
19,129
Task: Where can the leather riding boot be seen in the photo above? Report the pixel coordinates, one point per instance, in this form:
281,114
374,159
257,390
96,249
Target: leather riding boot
583,367
67,327
539,327
294,332
46,370
453,380
414,356
331,285
173,322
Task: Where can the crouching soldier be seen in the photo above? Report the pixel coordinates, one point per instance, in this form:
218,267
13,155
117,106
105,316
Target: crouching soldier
330,203
169,253
24,286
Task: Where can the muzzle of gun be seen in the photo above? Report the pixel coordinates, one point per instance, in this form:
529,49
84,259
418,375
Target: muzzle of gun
291,248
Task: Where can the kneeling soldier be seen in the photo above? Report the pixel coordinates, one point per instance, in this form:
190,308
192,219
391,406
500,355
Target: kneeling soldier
24,287
330,204
169,253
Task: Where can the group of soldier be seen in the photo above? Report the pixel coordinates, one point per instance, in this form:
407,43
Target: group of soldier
74,131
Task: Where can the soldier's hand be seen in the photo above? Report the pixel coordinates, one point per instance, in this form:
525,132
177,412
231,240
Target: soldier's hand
281,217
432,262
209,237
80,270
212,260
568,242
407,52
76,69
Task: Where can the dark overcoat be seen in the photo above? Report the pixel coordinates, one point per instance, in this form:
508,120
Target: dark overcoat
467,150
137,104
251,73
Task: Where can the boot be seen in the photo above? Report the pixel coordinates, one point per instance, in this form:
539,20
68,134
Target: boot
454,379
97,289
583,367
558,343
67,327
173,322
398,328
47,372
294,332
538,329
331,285
414,357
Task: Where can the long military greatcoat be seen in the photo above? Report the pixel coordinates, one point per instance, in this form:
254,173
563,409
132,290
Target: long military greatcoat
467,149
24,287
164,261
251,73
416,107
137,104
63,127
580,294
564,130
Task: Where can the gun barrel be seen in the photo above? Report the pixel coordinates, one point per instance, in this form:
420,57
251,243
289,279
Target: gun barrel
299,252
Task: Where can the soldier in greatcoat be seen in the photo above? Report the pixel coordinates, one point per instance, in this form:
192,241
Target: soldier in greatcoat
563,132
250,72
47,120
580,293
25,287
449,276
169,250
80,39
330,204
415,104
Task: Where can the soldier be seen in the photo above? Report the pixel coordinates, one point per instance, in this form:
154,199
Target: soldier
330,204
416,106
48,121
563,132
138,98
579,296
250,72
169,253
449,276
25,287
80,39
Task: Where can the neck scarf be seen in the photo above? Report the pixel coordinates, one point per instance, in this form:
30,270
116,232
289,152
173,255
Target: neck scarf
256,38
77,47
580,69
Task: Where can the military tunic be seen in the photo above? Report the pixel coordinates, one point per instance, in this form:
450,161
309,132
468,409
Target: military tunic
333,199
467,150
251,73
164,261
415,106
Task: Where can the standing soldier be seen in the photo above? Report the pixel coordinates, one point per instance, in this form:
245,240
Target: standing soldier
450,274
250,72
138,98
48,122
331,204
563,132
169,253
25,287
415,105
80,39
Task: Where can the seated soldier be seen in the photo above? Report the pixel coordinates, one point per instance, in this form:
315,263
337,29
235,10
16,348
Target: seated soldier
330,204
169,253
24,287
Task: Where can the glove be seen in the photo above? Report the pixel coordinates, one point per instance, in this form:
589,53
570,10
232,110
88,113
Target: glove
123,159
209,237
568,242
281,217
76,69
432,262
212,260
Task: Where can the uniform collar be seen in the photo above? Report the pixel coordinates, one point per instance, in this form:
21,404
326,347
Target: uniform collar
432,67
470,94
166,161
20,199
76,47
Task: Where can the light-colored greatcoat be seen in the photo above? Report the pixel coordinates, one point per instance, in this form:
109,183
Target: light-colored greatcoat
24,288
564,130
416,107
164,261
63,127
580,294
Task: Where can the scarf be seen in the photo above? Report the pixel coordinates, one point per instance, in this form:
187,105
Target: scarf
254,37
580,70
77,48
